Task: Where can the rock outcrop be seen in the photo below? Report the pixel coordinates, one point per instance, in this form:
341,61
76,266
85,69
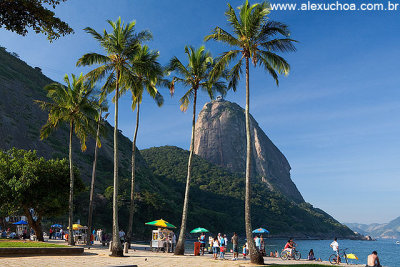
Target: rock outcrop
221,139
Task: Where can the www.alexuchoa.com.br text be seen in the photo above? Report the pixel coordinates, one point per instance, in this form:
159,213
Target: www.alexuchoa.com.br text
336,6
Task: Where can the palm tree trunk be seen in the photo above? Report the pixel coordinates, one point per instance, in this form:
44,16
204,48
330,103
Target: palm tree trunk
116,249
90,216
132,207
71,240
180,246
255,255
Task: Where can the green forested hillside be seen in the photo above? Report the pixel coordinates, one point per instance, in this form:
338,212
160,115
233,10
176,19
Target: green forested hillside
217,199
20,123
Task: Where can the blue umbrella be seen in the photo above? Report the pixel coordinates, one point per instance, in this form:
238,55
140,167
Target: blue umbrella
56,226
21,222
261,231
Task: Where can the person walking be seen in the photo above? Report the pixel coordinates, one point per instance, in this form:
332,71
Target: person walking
210,243
234,241
258,243
215,247
173,242
335,246
122,235
262,246
245,251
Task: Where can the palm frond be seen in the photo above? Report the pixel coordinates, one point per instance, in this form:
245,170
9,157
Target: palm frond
280,45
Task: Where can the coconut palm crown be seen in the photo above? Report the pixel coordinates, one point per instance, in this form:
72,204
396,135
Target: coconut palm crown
254,38
195,75
121,44
146,73
74,105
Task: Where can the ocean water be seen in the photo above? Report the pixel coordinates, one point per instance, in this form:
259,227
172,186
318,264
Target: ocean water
388,250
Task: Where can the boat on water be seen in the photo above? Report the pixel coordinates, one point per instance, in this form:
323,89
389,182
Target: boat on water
398,242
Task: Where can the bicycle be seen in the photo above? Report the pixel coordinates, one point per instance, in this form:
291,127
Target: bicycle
333,257
286,255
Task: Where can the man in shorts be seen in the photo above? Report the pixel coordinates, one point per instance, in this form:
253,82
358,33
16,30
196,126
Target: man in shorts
202,240
335,246
235,240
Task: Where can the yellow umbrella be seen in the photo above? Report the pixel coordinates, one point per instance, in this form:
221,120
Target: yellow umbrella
352,256
161,223
76,226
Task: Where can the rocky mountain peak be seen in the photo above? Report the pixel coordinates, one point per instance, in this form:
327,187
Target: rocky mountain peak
221,139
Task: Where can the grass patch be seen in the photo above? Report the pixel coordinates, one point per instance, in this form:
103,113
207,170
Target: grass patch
28,244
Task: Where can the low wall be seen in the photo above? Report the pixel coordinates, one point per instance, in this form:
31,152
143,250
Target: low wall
41,251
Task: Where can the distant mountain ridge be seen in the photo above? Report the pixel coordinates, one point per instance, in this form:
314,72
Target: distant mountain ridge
390,230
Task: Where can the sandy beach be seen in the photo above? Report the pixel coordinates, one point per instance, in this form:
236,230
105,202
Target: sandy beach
139,255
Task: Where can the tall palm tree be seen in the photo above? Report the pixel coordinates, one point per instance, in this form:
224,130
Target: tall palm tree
100,120
145,73
70,104
254,38
196,76
120,45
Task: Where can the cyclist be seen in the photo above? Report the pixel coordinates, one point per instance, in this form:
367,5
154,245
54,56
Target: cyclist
335,246
290,245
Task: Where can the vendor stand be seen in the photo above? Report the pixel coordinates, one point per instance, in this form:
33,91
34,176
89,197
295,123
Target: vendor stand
80,233
22,227
162,238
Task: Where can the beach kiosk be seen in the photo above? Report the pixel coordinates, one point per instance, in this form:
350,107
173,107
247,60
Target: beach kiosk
21,227
80,233
161,239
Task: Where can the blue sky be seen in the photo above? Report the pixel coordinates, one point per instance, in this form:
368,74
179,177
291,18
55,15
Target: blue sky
335,117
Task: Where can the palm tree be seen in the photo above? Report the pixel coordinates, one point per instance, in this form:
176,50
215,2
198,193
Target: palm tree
254,37
145,73
73,105
100,120
195,75
120,45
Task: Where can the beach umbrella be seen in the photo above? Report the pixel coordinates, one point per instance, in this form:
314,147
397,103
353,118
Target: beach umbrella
199,230
261,231
21,222
76,226
352,256
161,223
56,225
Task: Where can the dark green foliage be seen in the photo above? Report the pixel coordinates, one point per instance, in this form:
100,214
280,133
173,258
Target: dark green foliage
218,199
19,15
27,180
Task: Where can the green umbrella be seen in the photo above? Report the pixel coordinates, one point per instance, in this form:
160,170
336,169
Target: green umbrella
199,230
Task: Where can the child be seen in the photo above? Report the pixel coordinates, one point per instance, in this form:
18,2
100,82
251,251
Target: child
222,248
244,251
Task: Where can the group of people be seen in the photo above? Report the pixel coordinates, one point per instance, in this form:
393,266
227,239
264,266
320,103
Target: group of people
168,240
56,233
372,260
219,245
13,235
